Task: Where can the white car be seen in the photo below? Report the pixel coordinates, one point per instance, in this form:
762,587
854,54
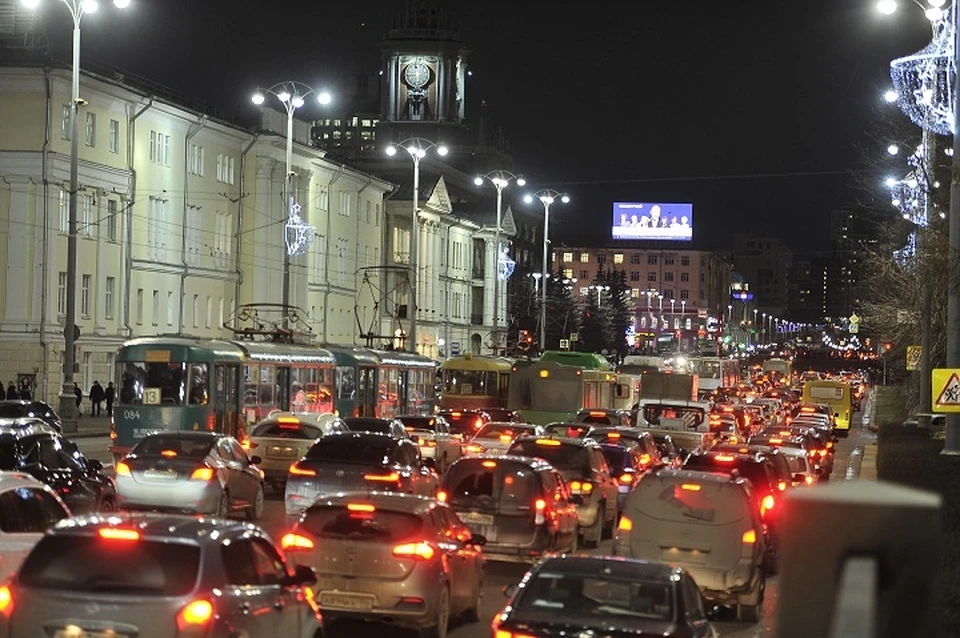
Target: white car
28,508
432,435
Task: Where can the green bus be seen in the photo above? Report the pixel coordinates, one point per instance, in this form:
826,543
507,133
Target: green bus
545,391
585,360
186,383
382,383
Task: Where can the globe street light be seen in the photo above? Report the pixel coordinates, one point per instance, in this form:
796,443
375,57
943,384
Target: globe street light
292,95
417,148
600,290
500,180
67,398
546,196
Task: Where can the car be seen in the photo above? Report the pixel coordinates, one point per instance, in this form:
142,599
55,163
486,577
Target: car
604,596
391,556
159,575
12,409
496,438
604,416
502,415
521,505
465,423
587,475
670,452
284,437
28,508
628,437
567,430
780,462
822,449
200,472
390,427
705,522
358,461
58,462
627,465
432,434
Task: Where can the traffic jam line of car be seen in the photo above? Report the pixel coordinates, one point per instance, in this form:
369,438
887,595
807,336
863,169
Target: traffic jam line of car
393,520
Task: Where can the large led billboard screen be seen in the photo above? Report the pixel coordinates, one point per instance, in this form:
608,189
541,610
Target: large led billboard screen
641,220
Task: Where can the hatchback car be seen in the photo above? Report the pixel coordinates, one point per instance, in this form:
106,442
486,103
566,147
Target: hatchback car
201,472
496,438
705,522
16,409
283,438
587,474
28,508
152,576
432,434
357,462
604,596
519,504
390,427
58,462
387,555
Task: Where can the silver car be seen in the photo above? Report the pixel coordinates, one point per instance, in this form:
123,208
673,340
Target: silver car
200,472
387,555
282,438
153,576
496,438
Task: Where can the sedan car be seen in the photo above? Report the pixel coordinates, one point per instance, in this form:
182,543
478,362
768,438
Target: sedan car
387,555
58,462
16,409
28,508
202,472
391,427
152,576
358,461
432,434
283,438
604,596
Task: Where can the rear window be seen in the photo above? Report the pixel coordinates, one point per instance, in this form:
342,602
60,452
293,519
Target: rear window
368,425
463,422
756,473
571,596
287,431
184,447
378,525
496,430
92,564
568,430
476,481
600,417
689,501
617,457
562,457
374,450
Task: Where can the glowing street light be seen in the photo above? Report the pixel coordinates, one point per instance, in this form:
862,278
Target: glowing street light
547,197
500,180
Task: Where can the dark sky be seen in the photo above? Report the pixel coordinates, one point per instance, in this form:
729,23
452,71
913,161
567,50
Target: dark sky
749,109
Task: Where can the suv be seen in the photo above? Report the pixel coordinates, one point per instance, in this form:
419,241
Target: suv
705,522
29,508
465,423
604,416
519,504
587,474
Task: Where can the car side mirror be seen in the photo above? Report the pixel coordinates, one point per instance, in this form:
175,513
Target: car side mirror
510,590
478,539
255,460
304,575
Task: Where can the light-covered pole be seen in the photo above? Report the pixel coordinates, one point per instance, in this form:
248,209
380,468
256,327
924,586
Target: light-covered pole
67,398
500,180
417,148
292,95
546,196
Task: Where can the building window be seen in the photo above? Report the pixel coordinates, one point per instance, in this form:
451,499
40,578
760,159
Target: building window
651,260
108,293
368,208
209,312
196,311
62,293
323,199
684,294
668,293
702,295
584,258
345,204
225,166
668,276
86,220
376,214
65,122
618,258
64,211
635,258
85,295
90,132
567,258
652,275
584,274
634,292
634,275
668,260
601,258
568,273
684,276
112,219
159,148
684,261
139,306
195,157
114,136
170,308
155,307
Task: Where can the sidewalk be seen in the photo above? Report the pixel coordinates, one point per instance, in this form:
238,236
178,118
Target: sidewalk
868,466
90,427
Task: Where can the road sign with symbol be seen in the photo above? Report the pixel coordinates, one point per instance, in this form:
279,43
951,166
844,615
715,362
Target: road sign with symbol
946,390
564,344
913,357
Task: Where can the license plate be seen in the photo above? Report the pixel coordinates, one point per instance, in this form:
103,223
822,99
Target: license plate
476,518
160,474
352,602
282,452
80,633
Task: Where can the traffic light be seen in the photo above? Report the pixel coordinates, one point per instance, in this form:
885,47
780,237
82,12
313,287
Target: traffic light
888,346
524,340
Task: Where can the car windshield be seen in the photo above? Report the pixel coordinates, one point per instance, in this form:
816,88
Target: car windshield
476,481
376,450
287,431
157,444
498,430
418,422
753,471
617,457
691,501
14,411
577,596
362,522
561,456
92,564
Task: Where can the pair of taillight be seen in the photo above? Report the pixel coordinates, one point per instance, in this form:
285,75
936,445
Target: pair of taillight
581,487
422,550
199,474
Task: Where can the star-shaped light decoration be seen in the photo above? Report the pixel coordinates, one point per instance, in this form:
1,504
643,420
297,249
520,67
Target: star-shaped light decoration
505,265
297,234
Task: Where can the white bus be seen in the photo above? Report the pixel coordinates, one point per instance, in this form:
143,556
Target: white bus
716,372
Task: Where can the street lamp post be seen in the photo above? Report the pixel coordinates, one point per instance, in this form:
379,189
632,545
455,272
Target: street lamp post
600,290
546,196
417,148
67,398
500,180
683,313
292,95
673,314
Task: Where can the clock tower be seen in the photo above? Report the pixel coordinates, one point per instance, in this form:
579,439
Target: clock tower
424,68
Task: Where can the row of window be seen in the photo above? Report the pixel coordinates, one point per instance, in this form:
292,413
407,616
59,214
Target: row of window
352,121
635,258
86,292
87,219
90,129
171,309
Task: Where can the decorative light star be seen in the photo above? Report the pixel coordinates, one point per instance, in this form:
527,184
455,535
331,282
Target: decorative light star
297,234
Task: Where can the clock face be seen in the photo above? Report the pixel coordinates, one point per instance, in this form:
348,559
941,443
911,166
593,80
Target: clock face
416,74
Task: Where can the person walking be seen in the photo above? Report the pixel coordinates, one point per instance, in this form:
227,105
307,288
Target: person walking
108,396
77,391
12,394
97,396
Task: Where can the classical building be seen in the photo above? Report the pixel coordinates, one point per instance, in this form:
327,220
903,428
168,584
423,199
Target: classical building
180,220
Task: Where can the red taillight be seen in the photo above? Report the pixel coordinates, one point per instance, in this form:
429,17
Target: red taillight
295,542
626,479
114,534
122,469
392,477
540,509
767,504
202,474
808,480
296,470
6,601
782,485
247,444
169,454
419,550
442,496
725,458
197,613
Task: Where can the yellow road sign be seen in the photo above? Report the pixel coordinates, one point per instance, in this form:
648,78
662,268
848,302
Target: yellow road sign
946,390
913,357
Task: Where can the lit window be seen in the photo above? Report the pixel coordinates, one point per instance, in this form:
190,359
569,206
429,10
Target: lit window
618,258
567,258
585,258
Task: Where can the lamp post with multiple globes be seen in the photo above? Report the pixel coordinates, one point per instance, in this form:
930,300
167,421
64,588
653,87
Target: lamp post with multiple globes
546,197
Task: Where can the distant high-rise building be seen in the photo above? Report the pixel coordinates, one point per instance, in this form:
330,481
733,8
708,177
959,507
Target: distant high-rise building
852,232
764,262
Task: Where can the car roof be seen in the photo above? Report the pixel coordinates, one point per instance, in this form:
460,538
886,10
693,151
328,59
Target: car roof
697,475
367,419
535,463
187,434
617,567
378,436
564,440
162,526
396,501
13,480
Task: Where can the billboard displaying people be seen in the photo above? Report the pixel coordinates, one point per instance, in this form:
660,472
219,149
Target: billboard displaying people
641,220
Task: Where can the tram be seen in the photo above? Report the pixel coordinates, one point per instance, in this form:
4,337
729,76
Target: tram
382,383
470,381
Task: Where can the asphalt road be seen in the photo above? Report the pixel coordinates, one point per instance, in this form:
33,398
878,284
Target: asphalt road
499,575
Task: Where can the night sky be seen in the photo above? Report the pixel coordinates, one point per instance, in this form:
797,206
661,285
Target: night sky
751,110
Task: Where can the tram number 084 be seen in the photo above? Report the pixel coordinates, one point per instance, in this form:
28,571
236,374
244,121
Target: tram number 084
133,415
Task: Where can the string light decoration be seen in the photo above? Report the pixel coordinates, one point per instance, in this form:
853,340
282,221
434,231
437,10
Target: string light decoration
505,265
911,194
297,233
923,81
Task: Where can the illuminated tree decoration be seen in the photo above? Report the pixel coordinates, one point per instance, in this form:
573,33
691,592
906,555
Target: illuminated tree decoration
297,234
924,81
505,265
911,194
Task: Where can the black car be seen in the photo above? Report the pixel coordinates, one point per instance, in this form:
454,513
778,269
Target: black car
604,596
54,460
15,409
390,427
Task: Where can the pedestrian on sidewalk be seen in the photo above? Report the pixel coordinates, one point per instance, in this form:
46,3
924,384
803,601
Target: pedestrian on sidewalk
96,398
77,391
12,394
108,395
